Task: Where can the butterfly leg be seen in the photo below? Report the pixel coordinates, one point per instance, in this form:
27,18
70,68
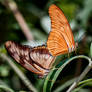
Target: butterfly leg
68,55
75,52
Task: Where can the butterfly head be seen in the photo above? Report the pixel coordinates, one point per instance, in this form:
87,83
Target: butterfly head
74,47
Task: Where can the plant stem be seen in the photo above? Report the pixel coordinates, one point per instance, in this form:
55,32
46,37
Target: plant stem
87,69
85,81
20,19
19,73
6,88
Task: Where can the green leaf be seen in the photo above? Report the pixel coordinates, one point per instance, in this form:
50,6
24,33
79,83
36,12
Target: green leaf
6,88
52,76
85,81
83,85
65,85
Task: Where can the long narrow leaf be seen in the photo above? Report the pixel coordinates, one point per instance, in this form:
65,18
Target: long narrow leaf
52,76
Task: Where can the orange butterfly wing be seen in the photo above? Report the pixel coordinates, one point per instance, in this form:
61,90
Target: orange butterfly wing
60,39
37,59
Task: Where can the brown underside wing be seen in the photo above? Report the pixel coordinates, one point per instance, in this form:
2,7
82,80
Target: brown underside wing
37,59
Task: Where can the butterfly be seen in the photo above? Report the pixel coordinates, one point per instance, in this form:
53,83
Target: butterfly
37,59
60,39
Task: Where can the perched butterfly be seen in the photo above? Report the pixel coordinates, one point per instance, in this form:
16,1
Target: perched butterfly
60,40
37,59
40,59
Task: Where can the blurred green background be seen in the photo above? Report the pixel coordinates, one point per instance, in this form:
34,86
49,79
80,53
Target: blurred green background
35,13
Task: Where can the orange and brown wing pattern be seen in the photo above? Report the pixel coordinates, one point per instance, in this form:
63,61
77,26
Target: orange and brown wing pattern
33,59
42,57
60,37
